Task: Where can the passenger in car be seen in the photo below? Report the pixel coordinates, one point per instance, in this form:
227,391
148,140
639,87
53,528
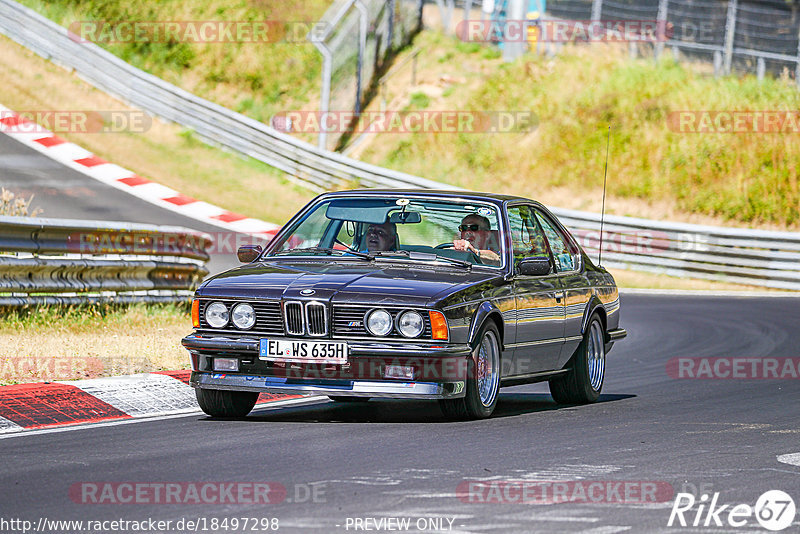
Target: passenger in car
381,237
477,236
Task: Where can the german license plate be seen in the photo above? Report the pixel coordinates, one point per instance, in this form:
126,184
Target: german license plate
300,351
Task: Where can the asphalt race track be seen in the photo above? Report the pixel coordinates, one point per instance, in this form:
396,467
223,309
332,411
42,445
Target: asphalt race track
62,192
394,459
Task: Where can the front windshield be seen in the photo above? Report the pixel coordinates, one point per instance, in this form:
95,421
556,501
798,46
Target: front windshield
412,228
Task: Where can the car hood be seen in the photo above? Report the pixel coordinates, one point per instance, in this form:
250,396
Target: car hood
374,283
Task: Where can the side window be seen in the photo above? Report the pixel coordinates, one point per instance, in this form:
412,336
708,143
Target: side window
526,237
565,257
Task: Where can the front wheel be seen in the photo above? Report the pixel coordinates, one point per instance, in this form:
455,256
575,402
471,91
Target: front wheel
228,404
583,382
483,379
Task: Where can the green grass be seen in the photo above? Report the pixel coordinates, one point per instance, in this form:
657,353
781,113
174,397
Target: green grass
258,79
88,318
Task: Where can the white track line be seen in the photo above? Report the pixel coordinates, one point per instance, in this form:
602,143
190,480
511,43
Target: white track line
791,459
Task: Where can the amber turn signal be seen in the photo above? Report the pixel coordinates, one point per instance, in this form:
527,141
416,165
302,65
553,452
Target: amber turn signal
196,313
438,325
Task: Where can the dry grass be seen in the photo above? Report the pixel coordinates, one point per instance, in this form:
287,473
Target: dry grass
164,153
748,180
643,280
57,344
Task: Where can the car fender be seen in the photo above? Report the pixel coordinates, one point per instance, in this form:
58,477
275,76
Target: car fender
592,306
481,315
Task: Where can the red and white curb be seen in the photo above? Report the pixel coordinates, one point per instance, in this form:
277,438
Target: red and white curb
56,404
83,161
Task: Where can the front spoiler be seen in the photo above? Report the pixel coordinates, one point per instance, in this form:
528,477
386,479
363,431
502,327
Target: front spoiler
349,388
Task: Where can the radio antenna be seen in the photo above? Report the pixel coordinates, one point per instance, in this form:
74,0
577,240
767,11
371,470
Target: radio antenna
603,210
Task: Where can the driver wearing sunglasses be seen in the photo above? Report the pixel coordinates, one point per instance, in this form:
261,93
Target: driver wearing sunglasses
476,234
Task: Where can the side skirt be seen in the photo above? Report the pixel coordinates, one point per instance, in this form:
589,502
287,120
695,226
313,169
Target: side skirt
531,378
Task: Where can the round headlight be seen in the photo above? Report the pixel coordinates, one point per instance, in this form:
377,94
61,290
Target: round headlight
217,315
410,324
243,315
379,323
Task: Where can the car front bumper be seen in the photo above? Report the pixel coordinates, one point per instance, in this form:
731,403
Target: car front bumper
345,388
440,369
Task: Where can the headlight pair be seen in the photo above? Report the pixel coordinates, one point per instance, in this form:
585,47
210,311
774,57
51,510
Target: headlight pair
242,315
380,323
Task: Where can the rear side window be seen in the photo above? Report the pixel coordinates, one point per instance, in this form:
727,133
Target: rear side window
566,255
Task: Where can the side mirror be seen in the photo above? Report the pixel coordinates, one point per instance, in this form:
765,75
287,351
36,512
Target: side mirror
249,253
535,266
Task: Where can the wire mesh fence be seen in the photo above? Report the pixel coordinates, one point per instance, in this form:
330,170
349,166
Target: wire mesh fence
356,40
751,36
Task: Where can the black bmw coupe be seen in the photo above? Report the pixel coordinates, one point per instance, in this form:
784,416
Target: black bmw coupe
445,295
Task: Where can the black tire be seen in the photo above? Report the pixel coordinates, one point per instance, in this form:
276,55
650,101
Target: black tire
471,406
342,398
584,381
227,404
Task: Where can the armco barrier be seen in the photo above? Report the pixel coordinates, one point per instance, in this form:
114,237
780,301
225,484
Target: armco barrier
736,255
63,261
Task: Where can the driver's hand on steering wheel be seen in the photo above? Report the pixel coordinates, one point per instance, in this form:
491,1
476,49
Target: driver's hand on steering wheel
463,244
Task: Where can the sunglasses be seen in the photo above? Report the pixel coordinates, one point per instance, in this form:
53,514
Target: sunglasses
470,228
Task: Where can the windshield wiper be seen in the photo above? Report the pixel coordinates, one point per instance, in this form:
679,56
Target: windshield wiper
424,256
327,251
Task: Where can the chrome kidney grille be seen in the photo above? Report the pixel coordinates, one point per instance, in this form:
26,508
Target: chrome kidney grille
293,312
316,319
305,318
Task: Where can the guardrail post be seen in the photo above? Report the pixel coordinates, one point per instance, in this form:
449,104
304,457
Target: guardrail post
760,69
797,68
362,49
730,30
717,64
515,13
597,9
325,96
661,22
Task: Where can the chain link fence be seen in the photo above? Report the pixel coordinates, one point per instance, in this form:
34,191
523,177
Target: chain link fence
356,39
746,36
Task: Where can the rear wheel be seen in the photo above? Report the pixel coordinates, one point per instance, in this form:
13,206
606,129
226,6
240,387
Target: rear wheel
342,398
222,403
583,382
483,379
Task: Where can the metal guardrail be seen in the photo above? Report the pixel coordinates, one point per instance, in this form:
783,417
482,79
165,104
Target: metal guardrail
736,255
754,257
63,261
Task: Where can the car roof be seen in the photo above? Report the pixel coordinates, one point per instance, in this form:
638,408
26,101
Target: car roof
431,193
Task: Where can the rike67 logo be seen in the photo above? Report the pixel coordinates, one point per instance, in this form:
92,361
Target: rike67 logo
774,510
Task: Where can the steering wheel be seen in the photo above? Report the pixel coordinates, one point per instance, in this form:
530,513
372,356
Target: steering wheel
351,249
445,245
